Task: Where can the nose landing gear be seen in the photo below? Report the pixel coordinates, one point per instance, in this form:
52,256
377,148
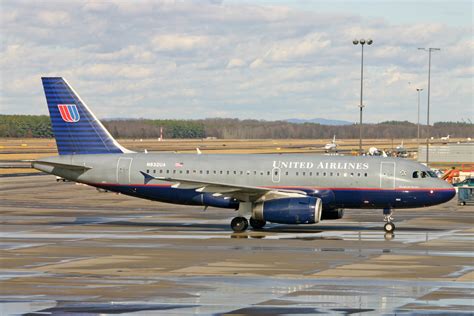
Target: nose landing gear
389,226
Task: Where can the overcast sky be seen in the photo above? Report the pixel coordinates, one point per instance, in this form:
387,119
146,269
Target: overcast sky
246,59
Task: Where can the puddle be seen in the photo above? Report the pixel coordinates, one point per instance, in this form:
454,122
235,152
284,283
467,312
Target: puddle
263,296
11,274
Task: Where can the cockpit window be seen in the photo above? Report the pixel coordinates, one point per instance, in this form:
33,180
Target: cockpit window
424,174
432,174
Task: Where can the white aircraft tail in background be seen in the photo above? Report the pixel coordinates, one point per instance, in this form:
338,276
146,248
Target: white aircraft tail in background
332,145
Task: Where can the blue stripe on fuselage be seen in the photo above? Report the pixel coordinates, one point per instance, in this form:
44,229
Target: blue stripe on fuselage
343,197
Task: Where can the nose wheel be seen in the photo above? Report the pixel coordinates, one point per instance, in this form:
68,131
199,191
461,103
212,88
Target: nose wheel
389,226
239,224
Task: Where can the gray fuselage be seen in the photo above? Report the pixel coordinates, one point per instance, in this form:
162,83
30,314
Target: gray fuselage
367,179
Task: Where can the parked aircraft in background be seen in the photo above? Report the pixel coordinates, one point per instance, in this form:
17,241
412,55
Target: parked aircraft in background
286,189
332,146
445,137
400,151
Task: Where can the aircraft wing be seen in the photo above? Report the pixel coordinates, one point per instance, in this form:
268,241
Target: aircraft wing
240,192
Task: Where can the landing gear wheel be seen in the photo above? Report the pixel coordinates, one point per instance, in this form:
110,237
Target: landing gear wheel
257,223
239,224
389,227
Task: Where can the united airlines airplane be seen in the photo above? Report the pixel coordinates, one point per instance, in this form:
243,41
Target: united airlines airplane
279,188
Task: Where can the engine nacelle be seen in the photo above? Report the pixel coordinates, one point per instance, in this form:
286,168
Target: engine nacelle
302,210
332,214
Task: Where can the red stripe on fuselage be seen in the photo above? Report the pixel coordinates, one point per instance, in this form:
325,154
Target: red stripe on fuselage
287,187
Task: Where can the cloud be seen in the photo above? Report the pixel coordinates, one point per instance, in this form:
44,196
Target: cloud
178,42
297,48
191,59
236,63
54,18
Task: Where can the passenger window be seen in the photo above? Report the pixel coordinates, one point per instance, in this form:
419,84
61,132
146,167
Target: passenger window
154,171
286,173
317,174
268,173
147,170
311,174
297,173
207,171
358,174
324,174
337,174
331,174
304,173
235,172
215,172
187,171
168,171
174,171
365,174
161,170
276,173
200,171
352,174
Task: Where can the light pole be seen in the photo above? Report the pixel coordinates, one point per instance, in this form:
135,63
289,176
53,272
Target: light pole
418,124
362,42
429,50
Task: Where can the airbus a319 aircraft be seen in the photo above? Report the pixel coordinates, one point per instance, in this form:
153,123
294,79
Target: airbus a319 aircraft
277,188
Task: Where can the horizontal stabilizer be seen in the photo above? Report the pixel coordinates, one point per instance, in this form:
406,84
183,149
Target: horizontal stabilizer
37,164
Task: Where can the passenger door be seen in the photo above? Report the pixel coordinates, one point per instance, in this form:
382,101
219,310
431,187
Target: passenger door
387,175
123,170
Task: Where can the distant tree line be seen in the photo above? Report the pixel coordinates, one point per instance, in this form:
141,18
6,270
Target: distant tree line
25,126
40,126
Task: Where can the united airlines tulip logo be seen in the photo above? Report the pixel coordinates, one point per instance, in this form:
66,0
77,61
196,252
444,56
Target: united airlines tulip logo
69,113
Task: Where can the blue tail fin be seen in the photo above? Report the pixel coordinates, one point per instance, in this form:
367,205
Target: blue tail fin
75,127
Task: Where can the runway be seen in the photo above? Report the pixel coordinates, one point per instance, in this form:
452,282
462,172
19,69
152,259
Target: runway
67,248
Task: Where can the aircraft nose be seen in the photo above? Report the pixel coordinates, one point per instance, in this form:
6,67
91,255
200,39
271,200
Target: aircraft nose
447,192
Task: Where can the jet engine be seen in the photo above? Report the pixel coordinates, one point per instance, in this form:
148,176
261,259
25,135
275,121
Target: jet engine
301,210
332,214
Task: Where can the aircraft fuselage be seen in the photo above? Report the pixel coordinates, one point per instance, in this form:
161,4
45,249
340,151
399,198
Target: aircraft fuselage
340,181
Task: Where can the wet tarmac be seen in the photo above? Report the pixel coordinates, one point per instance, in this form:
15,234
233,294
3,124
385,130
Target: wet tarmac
68,249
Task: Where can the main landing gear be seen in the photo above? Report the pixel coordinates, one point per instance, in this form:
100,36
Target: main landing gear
257,223
389,225
240,224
